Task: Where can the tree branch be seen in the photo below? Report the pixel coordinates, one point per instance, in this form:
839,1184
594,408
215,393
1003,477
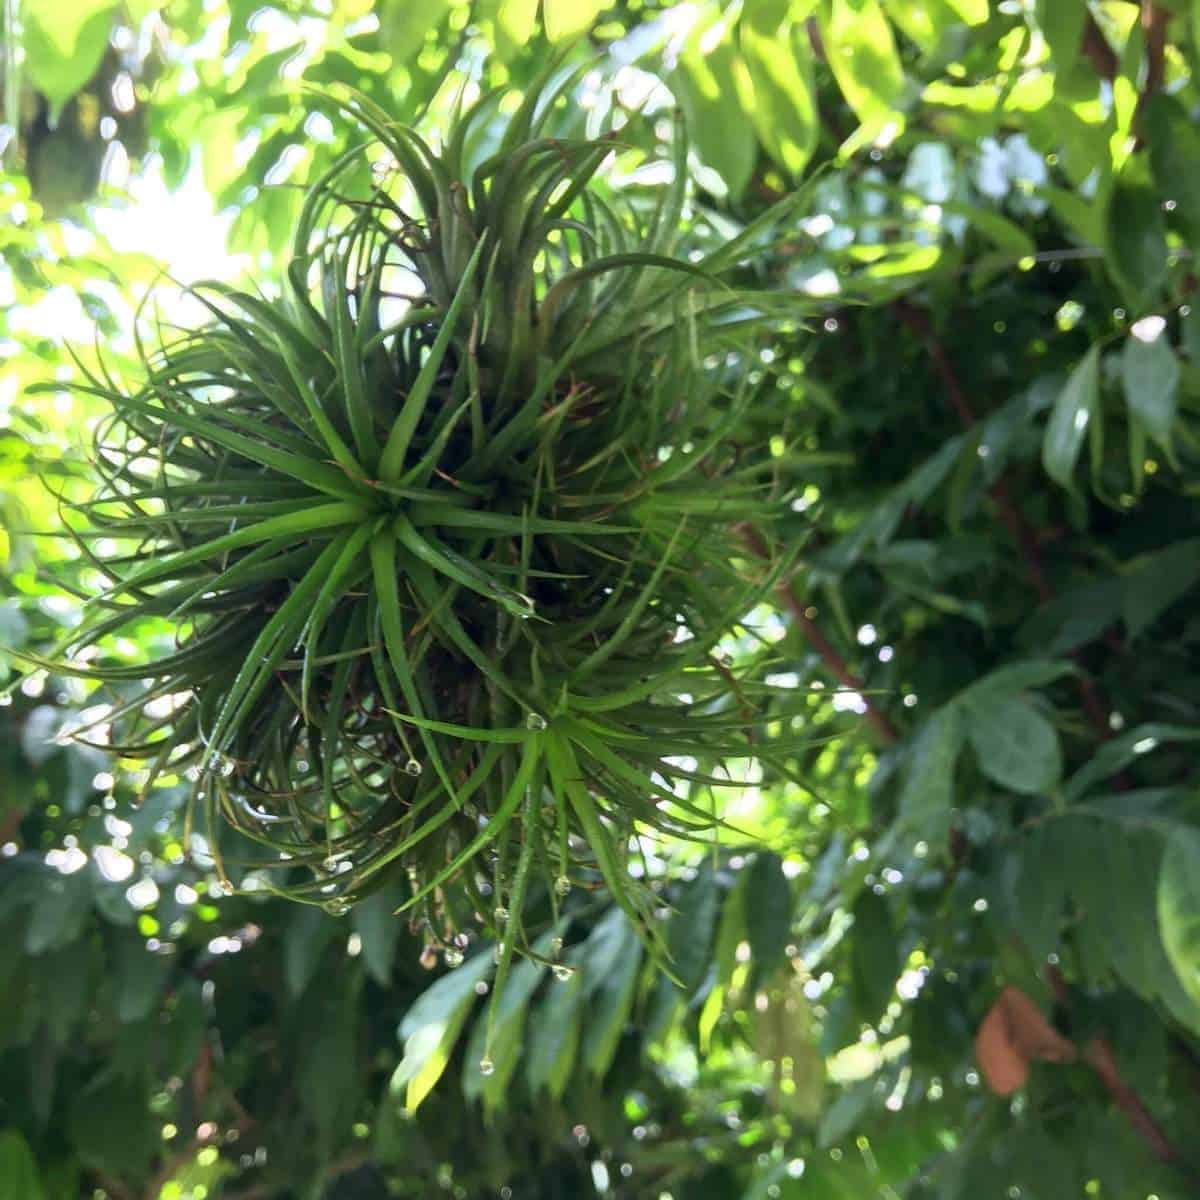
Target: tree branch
918,322
825,649
1022,532
1095,46
1100,1057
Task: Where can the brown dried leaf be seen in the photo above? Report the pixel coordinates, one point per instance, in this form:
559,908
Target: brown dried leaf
1013,1035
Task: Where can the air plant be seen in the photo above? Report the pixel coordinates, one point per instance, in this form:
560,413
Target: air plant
449,573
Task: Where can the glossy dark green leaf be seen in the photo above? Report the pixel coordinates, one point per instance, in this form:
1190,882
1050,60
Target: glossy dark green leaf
928,792
1125,748
690,936
375,922
1158,581
1015,745
1135,241
1173,142
58,912
1062,23
139,977
554,1030
309,932
767,913
112,1128
1073,411
875,954
610,977
1150,373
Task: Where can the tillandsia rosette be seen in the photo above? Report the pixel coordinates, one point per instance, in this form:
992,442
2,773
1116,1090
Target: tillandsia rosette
449,533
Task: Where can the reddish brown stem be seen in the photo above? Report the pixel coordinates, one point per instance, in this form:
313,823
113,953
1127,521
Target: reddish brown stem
1100,1057
825,649
1018,527
1099,53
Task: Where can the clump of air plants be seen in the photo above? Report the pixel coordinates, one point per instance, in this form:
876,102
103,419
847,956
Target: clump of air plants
448,573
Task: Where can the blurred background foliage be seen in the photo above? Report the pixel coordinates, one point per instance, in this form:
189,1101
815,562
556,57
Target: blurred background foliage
964,958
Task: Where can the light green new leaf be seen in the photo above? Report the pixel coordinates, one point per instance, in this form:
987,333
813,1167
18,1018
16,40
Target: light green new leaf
431,1027
971,12
923,22
1150,373
1073,410
1016,746
19,1178
783,104
569,18
1179,907
516,21
861,51
64,43
403,26
708,89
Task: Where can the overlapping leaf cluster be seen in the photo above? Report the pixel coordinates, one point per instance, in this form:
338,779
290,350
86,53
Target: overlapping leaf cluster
447,531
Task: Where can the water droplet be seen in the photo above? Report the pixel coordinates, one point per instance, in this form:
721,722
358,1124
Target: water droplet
192,773
337,906
228,766
481,988
226,887
412,767
562,972
330,865
487,1067
500,914
556,945
498,953
562,886
535,721
452,956
5,700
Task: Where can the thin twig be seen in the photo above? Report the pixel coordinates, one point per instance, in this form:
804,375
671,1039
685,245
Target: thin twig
825,649
1095,46
1022,532
1100,1057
